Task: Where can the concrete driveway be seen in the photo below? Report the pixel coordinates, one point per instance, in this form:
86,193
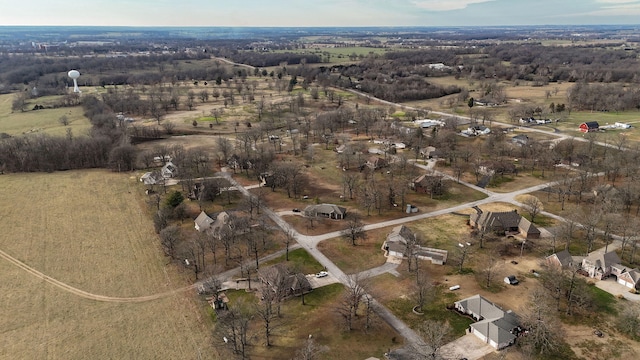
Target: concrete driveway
320,282
612,287
468,346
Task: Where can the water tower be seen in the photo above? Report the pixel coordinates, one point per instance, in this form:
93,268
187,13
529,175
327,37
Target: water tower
75,74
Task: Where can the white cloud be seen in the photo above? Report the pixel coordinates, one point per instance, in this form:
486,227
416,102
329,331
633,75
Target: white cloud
446,5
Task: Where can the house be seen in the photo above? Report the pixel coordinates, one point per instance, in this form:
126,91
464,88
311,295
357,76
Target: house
169,170
396,245
152,178
477,130
494,326
429,184
562,259
589,126
506,222
278,278
340,149
203,222
520,140
376,162
630,278
330,211
600,266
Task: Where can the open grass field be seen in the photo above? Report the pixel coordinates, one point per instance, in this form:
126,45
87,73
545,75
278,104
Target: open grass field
89,230
37,121
351,259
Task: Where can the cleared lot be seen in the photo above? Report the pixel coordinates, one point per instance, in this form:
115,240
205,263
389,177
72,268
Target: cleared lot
87,229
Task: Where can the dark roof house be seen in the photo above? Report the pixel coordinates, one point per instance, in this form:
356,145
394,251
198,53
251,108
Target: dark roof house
330,211
278,277
507,222
560,259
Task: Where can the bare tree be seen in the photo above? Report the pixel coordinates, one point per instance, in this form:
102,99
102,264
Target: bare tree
351,299
545,334
423,289
463,251
234,327
169,238
354,230
492,265
266,312
289,237
435,335
311,350
629,320
533,206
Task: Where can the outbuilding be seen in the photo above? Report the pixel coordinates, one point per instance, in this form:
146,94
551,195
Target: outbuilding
589,126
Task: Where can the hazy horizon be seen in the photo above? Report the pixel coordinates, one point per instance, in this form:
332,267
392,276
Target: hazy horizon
328,13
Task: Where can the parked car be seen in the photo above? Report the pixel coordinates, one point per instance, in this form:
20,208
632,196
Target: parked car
322,274
511,280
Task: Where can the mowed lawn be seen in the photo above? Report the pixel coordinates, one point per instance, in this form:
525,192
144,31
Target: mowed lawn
41,121
89,230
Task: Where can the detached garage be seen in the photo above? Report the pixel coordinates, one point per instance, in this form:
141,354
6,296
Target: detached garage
630,279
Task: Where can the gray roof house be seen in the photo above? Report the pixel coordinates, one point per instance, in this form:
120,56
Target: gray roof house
205,223
330,211
152,178
507,222
495,326
600,266
169,170
396,245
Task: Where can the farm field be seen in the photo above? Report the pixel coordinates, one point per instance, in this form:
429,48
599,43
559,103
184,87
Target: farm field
45,120
89,230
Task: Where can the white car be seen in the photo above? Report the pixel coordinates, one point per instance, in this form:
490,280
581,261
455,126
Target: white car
322,274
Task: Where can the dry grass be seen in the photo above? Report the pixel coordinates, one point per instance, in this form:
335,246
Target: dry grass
322,321
88,229
351,259
46,120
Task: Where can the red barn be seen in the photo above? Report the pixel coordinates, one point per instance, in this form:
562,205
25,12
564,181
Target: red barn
589,126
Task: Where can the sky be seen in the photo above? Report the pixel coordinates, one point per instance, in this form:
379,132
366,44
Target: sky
295,13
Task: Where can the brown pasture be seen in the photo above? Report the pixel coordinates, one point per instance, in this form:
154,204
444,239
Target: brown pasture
89,230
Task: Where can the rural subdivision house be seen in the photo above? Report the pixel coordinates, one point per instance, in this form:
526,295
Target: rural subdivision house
329,211
506,222
376,162
494,326
278,278
152,178
429,184
169,170
205,223
562,259
396,245
589,126
601,266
